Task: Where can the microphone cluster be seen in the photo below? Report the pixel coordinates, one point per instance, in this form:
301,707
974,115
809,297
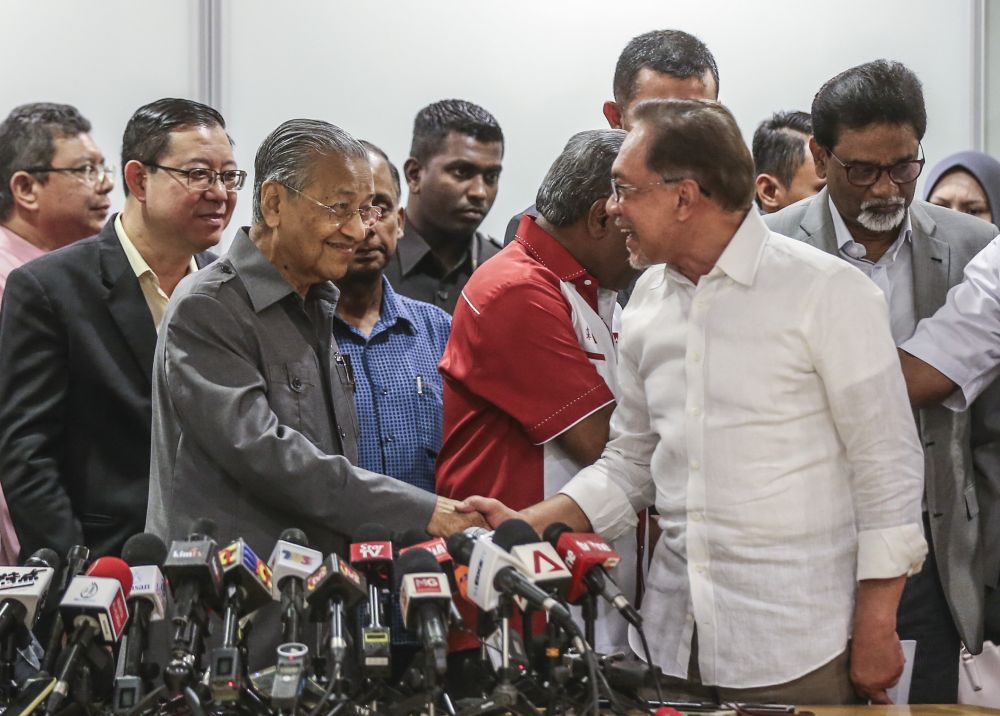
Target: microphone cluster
166,629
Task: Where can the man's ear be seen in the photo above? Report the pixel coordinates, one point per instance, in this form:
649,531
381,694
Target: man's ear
136,176
598,219
411,170
820,157
769,192
273,197
613,113
687,196
401,212
24,189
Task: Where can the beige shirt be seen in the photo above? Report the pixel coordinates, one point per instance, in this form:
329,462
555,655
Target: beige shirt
149,282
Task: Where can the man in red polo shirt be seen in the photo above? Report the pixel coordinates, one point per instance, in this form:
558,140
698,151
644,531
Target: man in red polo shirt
529,370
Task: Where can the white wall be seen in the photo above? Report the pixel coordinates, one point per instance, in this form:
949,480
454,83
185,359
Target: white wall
543,67
106,58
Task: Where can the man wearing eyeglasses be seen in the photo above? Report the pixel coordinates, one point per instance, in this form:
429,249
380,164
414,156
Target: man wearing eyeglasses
868,123
254,422
78,328
54,183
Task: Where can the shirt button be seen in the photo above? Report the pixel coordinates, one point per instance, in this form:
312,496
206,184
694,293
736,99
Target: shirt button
296,384
343,433
696,516
696,357
695,465
587,282
385,392
700,568
690,617
225,269
387,439
696,412
442,295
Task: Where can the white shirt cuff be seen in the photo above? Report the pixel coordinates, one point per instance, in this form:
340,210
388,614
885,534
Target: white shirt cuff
922,346
603,501
891,552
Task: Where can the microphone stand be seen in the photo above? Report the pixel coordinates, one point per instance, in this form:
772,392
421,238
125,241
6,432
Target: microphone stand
8,655
588,605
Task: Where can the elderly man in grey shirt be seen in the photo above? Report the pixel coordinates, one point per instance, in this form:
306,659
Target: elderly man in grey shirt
253,412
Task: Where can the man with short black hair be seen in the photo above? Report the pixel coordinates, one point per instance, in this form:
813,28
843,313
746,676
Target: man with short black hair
530,369
453,174
54,183
868,122
737,344
785,169
79,325
660,64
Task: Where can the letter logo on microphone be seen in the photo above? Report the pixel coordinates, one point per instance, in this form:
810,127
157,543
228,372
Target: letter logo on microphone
315,578
544,564
296,557
14,580
227,555
373,550
427,584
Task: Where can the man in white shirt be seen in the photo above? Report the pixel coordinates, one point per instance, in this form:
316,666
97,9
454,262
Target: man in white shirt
786,473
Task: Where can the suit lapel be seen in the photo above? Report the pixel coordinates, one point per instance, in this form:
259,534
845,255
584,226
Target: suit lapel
817,223
931,263
126,302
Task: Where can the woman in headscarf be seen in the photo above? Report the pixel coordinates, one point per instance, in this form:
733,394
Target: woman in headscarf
968,182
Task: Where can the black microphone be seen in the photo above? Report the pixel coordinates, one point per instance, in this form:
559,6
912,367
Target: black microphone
424,596
414,538
588,557
76,561
331,589
145,553
194,573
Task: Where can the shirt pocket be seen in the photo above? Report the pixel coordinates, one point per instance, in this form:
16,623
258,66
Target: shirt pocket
428,411
293,390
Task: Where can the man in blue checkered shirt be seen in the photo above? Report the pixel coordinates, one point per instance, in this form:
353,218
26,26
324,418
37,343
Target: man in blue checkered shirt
394,344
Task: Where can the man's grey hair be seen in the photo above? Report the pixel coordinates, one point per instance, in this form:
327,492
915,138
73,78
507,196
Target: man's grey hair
289,153
580,176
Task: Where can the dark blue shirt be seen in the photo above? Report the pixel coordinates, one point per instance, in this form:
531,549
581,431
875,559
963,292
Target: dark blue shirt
398,387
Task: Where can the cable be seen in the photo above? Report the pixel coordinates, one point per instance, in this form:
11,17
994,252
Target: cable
40,698
146,701
649,664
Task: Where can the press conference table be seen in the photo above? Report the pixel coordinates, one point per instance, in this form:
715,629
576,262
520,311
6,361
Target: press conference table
915,710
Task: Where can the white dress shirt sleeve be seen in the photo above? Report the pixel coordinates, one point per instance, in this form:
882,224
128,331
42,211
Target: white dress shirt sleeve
847,331
962,339
615,488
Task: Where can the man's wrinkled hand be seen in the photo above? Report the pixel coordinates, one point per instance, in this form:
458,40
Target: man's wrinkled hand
494,511
876,664
452,516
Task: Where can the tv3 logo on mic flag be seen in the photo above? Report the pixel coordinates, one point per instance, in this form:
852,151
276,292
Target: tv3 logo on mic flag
239,550
297,557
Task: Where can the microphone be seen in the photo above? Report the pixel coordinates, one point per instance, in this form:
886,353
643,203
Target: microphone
145,553
247,584
95,605
494,572
193,570
419,539
589,557
23,590
291,562
76,560
424,596
334,586
371,554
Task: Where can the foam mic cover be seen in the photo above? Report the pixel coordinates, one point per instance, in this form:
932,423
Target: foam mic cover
145,553
44,557
514,532
144,549
203,528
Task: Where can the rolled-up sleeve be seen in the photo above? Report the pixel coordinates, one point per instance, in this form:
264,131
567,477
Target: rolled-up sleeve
853,351
962,339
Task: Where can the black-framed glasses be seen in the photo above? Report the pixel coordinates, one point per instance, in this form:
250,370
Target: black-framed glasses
620,192
861,174
201,179
93,174
342,213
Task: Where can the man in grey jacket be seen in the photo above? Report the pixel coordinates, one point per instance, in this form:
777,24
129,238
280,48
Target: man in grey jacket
253,412
868,122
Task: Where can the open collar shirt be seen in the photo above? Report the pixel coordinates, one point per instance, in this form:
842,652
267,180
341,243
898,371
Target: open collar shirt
783,468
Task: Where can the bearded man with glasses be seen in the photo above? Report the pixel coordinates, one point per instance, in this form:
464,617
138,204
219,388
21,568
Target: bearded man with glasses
254,420
868,123
78,327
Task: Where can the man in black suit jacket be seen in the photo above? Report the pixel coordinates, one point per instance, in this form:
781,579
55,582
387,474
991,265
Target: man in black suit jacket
78,328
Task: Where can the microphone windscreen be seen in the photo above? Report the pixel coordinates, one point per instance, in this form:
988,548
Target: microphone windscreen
44,557
554,531
413,561
202,528
514,532
460,547
144,550
295,536
412,537
112,568
373,532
